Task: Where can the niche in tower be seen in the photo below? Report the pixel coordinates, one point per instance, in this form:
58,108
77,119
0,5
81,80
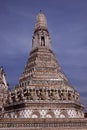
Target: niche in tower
42,41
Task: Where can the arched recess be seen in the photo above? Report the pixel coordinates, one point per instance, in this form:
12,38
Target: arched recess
35,114
42,41
50,114
63,114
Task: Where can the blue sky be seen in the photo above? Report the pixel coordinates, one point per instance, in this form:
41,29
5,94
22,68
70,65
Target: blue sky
67,24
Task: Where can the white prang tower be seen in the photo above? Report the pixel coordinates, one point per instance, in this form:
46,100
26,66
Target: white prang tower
43,90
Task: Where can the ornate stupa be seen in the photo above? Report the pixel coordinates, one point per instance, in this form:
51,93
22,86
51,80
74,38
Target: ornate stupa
43,90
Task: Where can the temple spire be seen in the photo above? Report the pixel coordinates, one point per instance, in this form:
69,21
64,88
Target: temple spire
41,37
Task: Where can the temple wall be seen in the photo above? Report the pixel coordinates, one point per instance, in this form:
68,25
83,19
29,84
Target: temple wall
43,124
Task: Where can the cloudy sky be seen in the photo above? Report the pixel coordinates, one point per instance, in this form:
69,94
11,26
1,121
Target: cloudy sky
67,24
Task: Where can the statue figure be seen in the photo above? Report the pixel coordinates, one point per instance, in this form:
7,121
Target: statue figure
53,94
42,94
42,41
31,94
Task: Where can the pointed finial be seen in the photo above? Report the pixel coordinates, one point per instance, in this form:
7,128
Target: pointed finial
40,11
41,21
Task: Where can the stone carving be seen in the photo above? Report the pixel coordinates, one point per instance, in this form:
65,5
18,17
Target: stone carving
42,94
31,94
